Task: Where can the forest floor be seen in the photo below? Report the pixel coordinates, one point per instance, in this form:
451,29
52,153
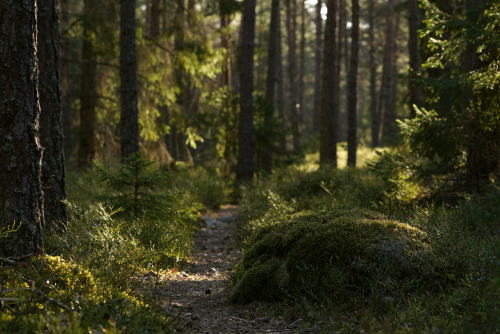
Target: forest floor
198,295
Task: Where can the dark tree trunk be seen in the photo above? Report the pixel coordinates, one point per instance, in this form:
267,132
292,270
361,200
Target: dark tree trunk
225,21
390,129
385,86
129,125
67,83
414,62
154,28
280,98
245,166
341,28
352,95
302,65
375,117
317,72
328,148
21,198
272,61
88,90
291,25
51,135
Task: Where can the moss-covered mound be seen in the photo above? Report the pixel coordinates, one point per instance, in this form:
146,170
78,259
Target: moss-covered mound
333,255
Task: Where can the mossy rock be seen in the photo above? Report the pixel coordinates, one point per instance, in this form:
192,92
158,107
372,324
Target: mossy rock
332,254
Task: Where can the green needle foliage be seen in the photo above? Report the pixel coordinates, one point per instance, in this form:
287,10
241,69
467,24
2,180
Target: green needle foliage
138,186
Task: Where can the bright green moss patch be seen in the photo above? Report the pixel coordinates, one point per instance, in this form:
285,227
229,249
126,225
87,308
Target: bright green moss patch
333,254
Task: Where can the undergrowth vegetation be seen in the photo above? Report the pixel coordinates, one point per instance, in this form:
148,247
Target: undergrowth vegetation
369,249
129,223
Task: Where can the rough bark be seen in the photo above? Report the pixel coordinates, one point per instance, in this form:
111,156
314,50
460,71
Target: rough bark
21,198
375,117
352,95
226,82
317,71
51,135
291,25
245,166
88,90
129,125
328,148
272,60
414,61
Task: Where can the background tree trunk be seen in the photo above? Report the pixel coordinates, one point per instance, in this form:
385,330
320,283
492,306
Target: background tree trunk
291,25
280,98
375,117
328,148
21,198
352,95
385,86
267,153
317,72
129,125
389,128
51,135
414,61
88,90
245,166
302,64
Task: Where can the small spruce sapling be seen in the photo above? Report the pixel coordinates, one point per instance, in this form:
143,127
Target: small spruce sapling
137,185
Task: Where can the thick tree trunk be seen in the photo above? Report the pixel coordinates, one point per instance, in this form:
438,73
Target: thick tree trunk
291,25
280,98
414,62
245,166
375,117
317,71
51,135
88,90
385,86
129,125
352,95
272,61
328,148
21,198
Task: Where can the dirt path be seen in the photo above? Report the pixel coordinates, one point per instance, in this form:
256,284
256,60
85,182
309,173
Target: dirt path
198,295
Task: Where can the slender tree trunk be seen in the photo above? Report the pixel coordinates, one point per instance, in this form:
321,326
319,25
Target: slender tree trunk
226,82
272,61
67,83
88,90
352,98
341,28
328,148
245,166
129,124
375,117
389,129
280,99
21,197
291,25
154,28
302,111
317,72
385,87
415,93
51,135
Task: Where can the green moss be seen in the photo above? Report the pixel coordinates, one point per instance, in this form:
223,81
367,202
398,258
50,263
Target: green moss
332,253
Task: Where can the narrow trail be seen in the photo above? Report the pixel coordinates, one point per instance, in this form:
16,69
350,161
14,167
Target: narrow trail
198,295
